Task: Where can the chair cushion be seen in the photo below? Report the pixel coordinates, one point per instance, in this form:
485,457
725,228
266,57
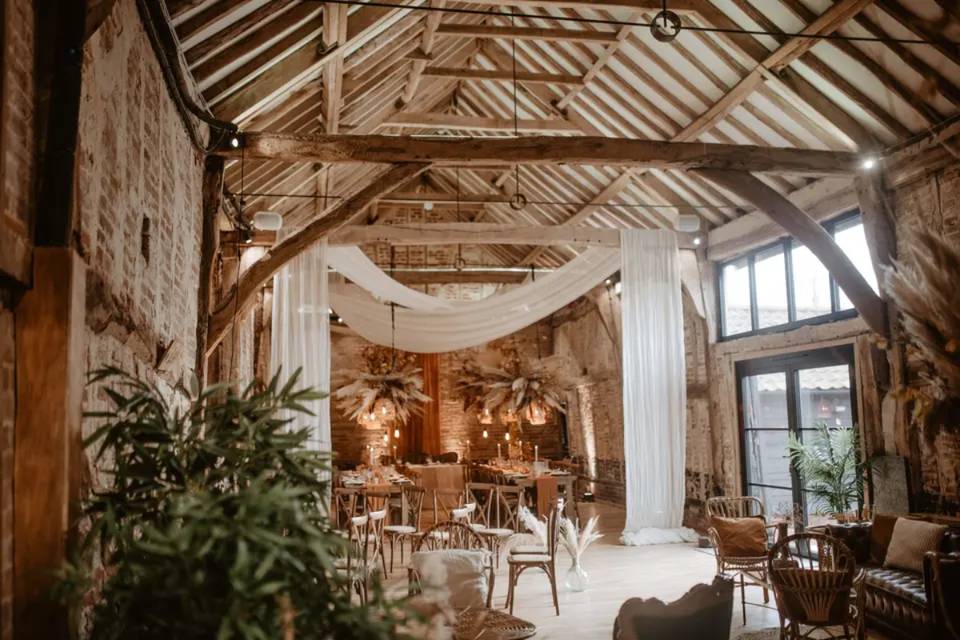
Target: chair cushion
907,585
528,558
910,541
476,526
527,549
741,537
399,528
455,575
500,533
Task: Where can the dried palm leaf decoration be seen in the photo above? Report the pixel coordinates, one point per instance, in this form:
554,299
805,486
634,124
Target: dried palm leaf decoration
388,389
927,294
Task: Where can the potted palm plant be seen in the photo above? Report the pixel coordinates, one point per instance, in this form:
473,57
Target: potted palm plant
211,522
831,468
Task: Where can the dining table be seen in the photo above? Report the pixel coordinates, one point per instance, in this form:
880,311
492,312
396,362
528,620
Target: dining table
526,475
383,479
440,476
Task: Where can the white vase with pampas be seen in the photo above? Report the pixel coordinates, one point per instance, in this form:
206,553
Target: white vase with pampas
576,541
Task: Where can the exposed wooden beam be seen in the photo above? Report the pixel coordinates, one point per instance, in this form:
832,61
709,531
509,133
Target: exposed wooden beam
426,47
540,150
879,221
474,233
503,74
334,35
828,22
460,277
212,198
808,231
435,197
680,6
931,32
241,297
248,33
525,33
476,123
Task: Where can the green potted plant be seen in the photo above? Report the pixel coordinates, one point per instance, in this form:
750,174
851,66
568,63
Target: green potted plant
831,468
212,522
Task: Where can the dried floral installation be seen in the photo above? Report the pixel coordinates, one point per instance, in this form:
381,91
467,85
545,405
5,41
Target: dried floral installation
515,386
389,387
926,293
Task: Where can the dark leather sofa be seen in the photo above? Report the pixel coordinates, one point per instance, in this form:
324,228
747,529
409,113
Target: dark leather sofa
902,604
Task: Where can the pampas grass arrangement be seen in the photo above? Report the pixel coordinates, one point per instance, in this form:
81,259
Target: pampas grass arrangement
927,295
363,391
576,540
496,390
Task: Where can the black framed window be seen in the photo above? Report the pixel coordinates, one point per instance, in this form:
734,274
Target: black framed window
790,394
783,284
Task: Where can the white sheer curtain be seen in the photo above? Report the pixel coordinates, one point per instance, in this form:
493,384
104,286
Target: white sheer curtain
353,264
469,324
301,335
654,388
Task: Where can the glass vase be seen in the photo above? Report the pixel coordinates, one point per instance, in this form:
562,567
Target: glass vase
577,579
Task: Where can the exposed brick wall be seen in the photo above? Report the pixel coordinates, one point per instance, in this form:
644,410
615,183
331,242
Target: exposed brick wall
933,203
138,210
17,134
17,167
456,427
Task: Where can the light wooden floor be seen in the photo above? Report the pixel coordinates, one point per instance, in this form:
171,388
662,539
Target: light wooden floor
617,573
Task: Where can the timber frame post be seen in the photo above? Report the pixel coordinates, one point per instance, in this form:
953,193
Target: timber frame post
808,231
242,296
209,247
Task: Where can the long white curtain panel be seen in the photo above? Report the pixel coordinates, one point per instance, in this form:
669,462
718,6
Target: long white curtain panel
654,388
301,335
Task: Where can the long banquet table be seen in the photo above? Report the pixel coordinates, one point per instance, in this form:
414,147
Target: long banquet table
526,479
439,476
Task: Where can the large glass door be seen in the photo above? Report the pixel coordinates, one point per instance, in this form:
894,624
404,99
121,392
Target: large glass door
790,394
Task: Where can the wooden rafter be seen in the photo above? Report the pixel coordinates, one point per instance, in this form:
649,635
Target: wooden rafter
426,47
461,73
828,22
476,123
525,33
808,231
242,296
334,35
540,150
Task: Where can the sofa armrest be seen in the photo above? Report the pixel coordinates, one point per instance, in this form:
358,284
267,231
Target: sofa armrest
941,582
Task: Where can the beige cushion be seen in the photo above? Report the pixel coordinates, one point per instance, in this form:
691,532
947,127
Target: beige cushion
528,558
399,528
741,537
910,541
500,533
457,575
527,549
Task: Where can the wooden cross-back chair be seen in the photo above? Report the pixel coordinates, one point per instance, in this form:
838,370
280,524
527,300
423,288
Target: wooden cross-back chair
488,516
346,505
412,498
452,535
376,499
508,502
817,587
444,502
353,567
546,562
751,569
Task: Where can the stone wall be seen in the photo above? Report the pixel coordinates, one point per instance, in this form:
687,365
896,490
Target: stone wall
138,210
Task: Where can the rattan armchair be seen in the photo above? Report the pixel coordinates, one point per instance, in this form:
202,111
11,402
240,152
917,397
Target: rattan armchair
817,586
750,569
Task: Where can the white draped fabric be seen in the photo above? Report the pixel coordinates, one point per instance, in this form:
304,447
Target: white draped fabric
301,335
353,264
654,388
469,324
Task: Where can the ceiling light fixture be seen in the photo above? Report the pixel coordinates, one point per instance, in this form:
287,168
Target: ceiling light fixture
868,163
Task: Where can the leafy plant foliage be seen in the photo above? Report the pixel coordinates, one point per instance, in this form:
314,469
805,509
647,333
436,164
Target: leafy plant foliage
213,522
831,467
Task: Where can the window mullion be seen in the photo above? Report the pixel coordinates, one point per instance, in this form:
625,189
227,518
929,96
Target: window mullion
754,312
791,303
